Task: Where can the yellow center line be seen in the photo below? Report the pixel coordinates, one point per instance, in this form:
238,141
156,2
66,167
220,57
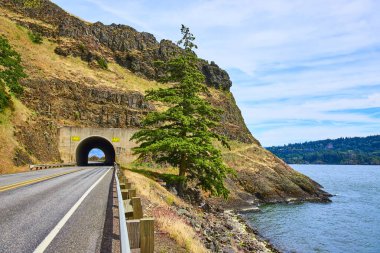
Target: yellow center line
32,181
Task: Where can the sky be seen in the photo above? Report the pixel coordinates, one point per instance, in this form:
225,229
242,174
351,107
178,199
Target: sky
96,152
301,70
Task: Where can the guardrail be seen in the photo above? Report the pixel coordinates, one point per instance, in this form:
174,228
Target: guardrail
124,240
49,166
136,232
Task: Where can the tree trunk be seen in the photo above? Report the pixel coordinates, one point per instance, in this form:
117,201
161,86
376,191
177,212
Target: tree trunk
182,174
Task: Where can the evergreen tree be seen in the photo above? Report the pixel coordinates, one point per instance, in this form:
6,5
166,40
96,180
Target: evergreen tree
183,135
11,72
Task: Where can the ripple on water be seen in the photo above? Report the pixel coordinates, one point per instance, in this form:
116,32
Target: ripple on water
351,223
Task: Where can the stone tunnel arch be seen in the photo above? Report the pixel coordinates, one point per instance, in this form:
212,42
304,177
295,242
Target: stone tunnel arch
85,146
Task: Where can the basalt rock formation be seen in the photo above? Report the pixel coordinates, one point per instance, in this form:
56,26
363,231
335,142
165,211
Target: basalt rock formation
89,106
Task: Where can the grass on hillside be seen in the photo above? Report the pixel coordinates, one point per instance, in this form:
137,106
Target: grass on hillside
40,60
18,114
8,143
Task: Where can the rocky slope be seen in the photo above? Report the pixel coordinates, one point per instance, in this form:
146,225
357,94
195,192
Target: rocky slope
66,86
193,229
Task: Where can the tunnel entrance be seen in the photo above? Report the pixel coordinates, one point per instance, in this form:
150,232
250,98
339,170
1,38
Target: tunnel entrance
95,142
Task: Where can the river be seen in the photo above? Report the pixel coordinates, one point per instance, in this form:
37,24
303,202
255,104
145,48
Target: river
351,223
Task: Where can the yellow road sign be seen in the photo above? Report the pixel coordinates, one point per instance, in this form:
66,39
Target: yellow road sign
75,138
115,139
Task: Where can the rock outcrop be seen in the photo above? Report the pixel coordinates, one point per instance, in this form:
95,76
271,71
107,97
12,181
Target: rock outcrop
75,103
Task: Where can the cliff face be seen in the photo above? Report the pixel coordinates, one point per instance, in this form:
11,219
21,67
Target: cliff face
66,86
83,105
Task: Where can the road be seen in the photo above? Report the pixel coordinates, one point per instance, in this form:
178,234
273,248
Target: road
8,179
66,213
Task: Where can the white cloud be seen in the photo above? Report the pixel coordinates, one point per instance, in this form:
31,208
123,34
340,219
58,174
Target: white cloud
370,101
296,134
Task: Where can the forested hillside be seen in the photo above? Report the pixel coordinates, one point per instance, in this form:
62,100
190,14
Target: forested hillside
357,150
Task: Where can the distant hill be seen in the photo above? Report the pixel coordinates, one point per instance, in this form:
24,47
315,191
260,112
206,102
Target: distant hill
356,150
95,158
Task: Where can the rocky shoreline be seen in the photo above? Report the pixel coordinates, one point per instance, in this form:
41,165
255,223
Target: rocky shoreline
238,214
225,231
247,237
254,231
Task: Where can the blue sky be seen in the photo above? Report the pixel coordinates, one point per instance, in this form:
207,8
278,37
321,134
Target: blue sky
301,70
96,152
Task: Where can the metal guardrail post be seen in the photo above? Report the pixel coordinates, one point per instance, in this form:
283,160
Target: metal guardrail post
124,240
147,235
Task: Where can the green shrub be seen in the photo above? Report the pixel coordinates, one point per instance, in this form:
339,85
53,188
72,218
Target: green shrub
11,72
35,37
102,63
31,3
169,200
82,47
77,115
4,100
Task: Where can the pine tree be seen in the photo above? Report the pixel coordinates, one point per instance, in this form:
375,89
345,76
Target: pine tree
183,135
11,72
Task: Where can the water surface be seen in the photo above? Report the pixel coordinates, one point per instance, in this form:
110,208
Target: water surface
351,223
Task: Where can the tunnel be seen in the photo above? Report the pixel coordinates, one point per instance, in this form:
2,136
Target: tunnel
90,143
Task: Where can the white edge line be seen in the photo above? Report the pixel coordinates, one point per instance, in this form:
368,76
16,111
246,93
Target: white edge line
49,238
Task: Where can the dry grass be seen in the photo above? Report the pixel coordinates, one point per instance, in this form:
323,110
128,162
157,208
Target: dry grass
151,190
8,142
41,61
181,232
18,16
160,202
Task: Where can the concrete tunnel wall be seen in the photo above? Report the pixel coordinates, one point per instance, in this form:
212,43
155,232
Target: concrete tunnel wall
74,142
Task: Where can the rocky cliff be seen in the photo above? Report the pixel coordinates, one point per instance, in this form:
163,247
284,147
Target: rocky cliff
67,86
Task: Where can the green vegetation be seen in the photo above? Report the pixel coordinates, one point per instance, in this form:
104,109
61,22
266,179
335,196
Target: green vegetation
31,3
94,158
82,47
35,37
168,178
182,135
11,72
102,63
357,150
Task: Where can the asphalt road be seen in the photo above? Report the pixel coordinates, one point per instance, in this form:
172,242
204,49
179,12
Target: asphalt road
29,214
20,177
